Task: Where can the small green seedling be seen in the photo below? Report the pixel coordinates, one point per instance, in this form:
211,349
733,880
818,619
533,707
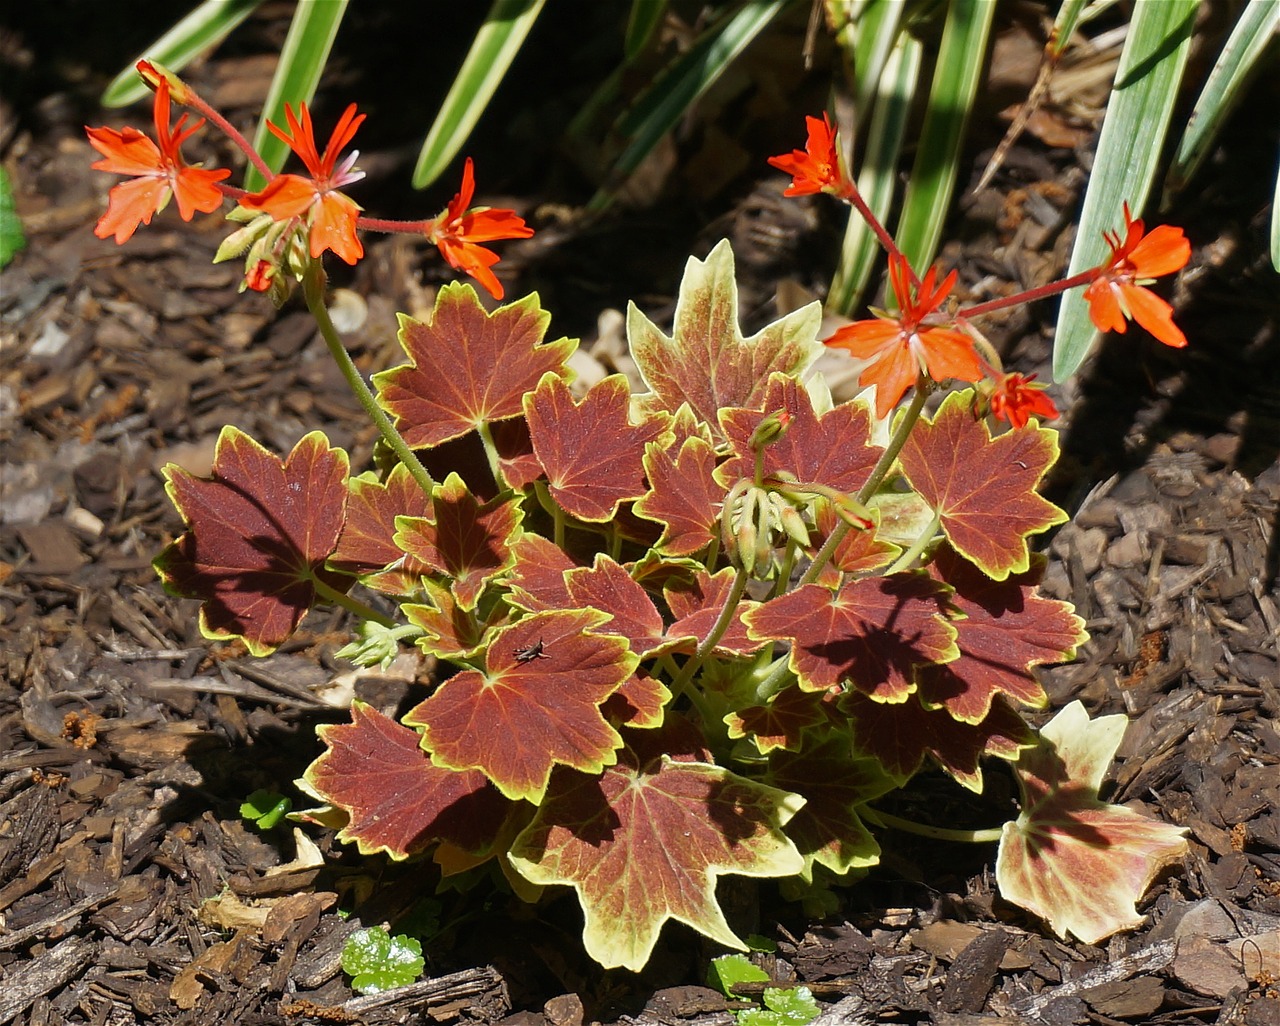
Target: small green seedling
377,961
792,1006
11,237
265,808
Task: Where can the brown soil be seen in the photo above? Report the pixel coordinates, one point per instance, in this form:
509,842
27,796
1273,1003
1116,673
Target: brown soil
130,888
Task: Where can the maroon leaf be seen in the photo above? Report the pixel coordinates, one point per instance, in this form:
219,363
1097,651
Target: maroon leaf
468,542
592,453
872,634
468,367
365,547
1005,631
901,734
683,495
640,703
833,449
451,632
536,705
983,488
696,604
516,459
606,586
781,722
259,532
397,801
645,842
537,575
707,363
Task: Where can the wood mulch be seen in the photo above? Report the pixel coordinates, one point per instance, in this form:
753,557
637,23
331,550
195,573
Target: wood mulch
131,890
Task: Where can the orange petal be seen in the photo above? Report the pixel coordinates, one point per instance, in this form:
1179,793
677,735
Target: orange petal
1104,307
1164,251
1154,314
892,374
334,227
127,152
950,354
195,190
130,204
865,339
285,196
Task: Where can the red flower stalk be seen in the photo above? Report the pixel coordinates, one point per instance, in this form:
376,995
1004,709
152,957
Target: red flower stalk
158,172
820,166
458,230
1016,398
1116,292
901,347
331,215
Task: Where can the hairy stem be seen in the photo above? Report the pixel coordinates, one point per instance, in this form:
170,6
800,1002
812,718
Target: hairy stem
351,605
909,826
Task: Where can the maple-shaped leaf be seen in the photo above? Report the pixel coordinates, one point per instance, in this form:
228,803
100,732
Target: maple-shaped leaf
608,587
535,705
983,488
450,632
859,552
834,784
697,602
467,541
536,581
706,362
467,366
365,546
258,534
872,634
782,721
517,462
1071,858
683,496
833,449
1005,631
395,798
899,735
640,702
645,842
591,450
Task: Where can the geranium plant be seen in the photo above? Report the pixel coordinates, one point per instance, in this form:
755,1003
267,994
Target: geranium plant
697,631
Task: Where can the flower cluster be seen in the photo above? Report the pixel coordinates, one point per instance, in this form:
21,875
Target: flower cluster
920,343
295,218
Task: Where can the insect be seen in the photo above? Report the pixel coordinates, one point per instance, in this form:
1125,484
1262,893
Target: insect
534,651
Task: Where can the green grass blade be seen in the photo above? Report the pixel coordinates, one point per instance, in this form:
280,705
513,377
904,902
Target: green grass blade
492,51
1065,23
657,112
867,38
1235,66
11,237
878,174
1275,223
645,17
201,30
955,83
302,60
1124,167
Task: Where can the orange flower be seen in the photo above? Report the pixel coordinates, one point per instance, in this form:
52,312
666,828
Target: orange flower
159,172
1116,292
331,215
901,348
819,167
458,230
1016,398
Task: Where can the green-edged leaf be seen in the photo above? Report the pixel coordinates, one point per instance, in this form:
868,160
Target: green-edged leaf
834,784
606,586
674,92
536,705
376,961
706,362
1124,166
200,30
11,237
645,843
961,56
306,51
468,367
1254,32
492,51
1003,631
683,496
258,534
396,799
782,721
1069,857
983,488
449,630
366,547
466,541
872,634
591,450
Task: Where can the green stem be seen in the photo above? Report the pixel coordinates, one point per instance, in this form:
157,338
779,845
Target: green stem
548,503
775,680
909,826
313,290
918,546
491,452
717,631
338,598
901,432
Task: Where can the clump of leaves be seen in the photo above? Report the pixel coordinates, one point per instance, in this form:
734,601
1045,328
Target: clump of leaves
783,1006
377,961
